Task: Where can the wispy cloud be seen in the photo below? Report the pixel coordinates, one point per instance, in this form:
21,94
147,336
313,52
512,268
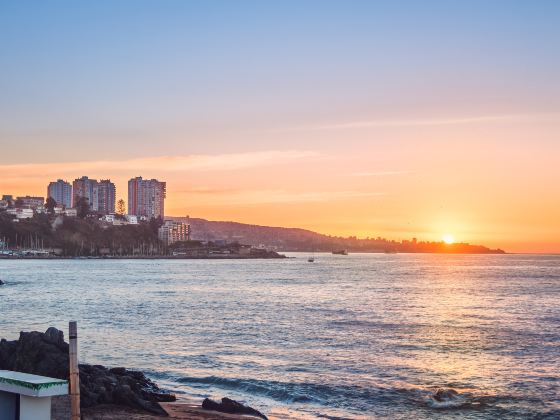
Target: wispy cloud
161,164
374,123
379,173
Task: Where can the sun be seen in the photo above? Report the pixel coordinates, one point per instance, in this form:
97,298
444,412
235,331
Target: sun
448,239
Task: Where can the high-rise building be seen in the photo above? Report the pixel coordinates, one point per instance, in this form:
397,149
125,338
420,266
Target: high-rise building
146,197
104,197
83,187
61,192
101,195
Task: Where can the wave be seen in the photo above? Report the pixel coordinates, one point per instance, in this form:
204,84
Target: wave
352,397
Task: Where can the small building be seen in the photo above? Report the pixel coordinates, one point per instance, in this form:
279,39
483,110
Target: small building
28,397
109,218
71,212
30,202
173,231
132,219
21,213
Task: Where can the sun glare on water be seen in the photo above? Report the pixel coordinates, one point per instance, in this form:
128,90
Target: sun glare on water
448,239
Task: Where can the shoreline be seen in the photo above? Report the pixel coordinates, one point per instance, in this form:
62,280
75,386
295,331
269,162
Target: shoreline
217,257
275,256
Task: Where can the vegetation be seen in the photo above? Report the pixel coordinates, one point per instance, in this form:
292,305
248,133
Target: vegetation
121,209
80,236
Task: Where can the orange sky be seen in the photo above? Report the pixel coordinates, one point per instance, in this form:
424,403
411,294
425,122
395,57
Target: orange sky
481,181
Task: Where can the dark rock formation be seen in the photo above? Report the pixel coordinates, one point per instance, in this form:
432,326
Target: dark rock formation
444,394
47,354
230,407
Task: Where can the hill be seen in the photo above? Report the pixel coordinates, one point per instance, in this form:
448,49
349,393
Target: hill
296,239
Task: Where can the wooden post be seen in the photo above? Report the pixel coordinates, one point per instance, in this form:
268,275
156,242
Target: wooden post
74,373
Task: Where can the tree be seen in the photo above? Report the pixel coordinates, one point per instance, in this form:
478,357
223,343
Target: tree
155,224
50,204
82,207
121,210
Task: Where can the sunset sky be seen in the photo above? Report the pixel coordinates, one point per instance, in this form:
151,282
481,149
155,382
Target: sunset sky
366,118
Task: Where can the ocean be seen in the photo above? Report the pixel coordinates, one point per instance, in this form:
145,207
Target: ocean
358,336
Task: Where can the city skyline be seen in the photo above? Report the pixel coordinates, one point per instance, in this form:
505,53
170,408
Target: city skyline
428,120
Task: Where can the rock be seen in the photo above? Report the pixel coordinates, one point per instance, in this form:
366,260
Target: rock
2,283
47,354
231,407
444,394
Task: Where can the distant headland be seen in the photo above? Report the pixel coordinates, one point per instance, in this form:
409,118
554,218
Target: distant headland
284,239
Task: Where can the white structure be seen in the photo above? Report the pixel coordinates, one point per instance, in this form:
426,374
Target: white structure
28,397
71,212
21,213
132,219
109,218
118,221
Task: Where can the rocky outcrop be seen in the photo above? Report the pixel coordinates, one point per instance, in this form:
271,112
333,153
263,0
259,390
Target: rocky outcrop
47,354
231,407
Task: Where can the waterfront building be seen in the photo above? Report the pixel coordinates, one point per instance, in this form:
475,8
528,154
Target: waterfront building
83,187
61,192
173,231
146,198
29,202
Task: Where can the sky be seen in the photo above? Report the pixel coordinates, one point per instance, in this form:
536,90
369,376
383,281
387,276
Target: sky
397,119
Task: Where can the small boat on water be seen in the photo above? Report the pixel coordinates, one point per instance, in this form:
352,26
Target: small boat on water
311,259
340,252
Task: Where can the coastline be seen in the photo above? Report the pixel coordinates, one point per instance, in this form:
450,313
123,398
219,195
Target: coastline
108,393
184,409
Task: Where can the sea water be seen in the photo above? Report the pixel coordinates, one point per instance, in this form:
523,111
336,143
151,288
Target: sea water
358,336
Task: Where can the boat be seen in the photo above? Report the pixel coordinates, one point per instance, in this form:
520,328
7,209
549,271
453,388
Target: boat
311,259
340,252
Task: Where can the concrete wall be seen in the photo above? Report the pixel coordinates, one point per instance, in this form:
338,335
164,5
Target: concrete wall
33,408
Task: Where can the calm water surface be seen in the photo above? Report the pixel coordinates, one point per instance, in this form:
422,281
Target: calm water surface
368,336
